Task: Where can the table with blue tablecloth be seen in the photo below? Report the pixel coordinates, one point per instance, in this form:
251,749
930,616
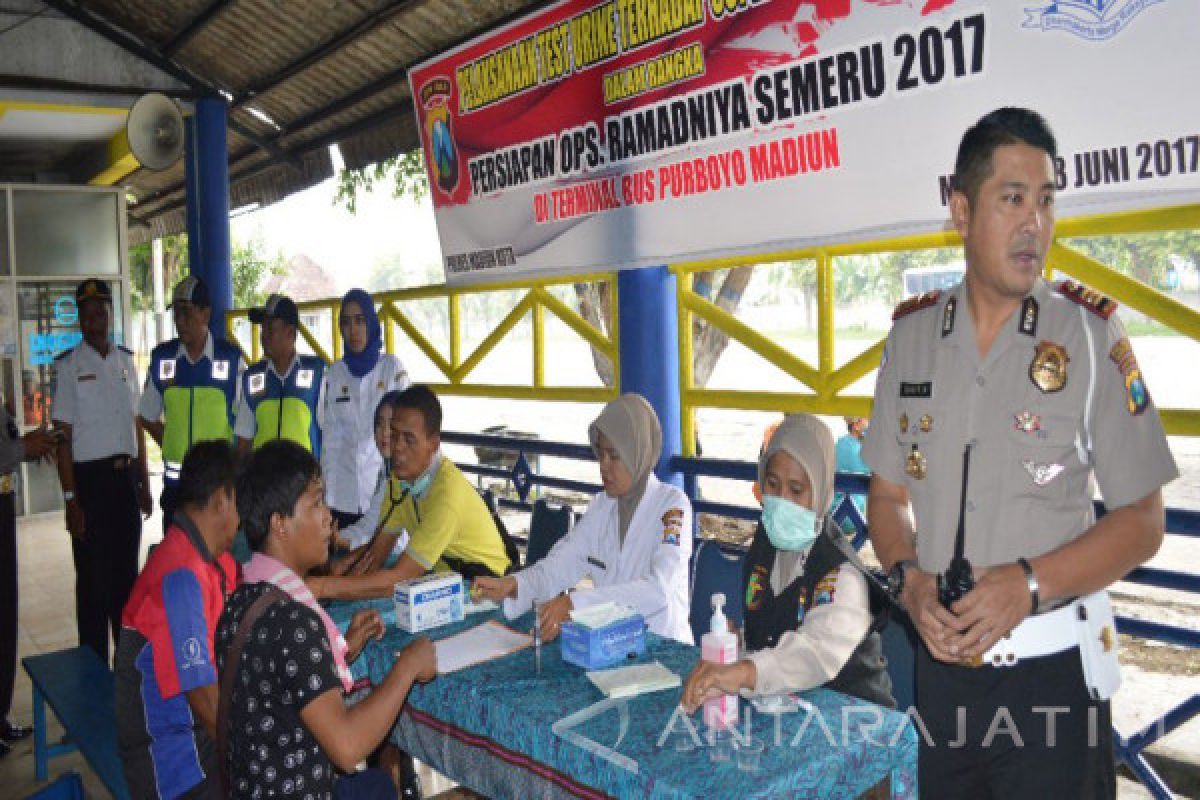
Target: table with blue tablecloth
489,727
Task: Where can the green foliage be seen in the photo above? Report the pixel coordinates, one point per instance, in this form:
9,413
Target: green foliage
406,173
1148,257
250,267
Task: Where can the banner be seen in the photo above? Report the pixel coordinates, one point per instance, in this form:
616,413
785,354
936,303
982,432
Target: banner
603,135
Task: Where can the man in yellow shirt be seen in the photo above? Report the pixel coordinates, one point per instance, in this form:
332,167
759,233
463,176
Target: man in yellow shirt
448,525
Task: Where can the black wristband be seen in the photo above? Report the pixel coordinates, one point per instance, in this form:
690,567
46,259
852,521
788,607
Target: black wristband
1032,581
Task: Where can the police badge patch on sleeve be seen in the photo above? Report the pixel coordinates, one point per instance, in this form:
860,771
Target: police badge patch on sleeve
672,526
1137,397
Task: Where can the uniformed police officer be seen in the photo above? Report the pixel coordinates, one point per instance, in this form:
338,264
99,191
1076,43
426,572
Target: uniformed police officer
997,402
14,448
101,466
192,386
281,394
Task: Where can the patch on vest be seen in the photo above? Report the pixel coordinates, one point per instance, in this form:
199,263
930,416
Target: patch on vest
826,588
755,587
257,383
304,379
672,526
166,370
1100,305
916,303
220,370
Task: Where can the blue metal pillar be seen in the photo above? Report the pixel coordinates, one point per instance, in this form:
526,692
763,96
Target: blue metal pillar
207,181
649,347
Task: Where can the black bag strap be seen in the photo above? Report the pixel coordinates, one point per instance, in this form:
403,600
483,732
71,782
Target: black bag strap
233,659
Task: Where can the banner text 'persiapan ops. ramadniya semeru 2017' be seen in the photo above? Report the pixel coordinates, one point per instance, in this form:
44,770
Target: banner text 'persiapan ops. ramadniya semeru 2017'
601,135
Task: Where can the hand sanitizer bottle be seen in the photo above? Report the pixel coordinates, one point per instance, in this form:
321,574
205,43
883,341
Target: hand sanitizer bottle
720,646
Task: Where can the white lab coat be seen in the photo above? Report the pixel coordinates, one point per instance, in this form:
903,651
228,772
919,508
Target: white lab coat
349,458
649,573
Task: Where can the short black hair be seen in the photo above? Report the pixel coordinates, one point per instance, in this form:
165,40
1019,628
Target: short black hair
1004,126
207,467
271,483
422,398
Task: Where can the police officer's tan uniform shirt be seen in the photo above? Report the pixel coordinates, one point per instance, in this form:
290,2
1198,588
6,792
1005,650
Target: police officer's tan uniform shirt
97,396
1030,488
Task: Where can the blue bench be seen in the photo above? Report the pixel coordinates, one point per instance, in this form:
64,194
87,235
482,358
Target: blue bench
78,686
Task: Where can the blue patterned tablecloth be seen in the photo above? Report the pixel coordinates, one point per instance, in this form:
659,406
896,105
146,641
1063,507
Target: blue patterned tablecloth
840,750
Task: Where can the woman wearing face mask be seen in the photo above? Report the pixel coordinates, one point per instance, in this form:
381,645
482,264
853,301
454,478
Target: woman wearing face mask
634,539
808,619
354,387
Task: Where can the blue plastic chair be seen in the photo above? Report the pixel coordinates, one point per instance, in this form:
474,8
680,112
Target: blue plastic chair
714,570
66,787
547,525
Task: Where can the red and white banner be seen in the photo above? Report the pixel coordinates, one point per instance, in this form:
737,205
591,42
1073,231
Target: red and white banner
596,135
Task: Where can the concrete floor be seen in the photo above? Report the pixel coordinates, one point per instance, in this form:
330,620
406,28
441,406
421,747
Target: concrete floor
47,623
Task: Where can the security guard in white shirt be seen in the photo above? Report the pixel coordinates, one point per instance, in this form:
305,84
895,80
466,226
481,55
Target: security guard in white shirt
634,540
102,467
349,458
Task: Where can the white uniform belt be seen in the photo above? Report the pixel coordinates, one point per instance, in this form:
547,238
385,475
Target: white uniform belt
1037,636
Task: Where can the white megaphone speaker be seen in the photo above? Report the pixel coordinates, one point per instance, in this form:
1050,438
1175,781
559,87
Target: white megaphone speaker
155,131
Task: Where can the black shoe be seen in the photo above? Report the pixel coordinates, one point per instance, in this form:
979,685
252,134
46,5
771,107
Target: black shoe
10,733
4,749
410,781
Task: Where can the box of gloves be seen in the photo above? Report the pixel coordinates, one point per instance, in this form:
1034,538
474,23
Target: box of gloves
429,601
603,635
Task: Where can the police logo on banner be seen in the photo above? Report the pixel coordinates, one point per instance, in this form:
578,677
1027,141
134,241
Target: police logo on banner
1096,20
439,133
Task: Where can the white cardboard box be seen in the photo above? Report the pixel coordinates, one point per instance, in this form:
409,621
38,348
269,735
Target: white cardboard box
429,601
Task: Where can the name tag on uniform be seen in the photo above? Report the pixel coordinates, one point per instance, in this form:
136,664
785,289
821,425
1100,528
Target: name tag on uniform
166,370
341,400
86,378
304,379
257,383
916,389
595,562
220,371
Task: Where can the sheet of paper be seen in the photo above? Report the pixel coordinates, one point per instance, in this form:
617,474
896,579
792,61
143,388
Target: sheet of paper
634,680
477,645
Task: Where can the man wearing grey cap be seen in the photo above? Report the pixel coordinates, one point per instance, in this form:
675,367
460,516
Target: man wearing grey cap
192,387
101,466
282,395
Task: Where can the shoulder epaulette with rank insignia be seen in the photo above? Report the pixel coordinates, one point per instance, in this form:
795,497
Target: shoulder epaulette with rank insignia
1100,305
916,303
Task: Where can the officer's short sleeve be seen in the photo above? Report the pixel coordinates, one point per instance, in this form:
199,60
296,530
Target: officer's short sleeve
63,408
246,424
879,448
150,407
1129,448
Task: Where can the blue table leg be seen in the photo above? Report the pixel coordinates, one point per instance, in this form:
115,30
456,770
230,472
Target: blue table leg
39,735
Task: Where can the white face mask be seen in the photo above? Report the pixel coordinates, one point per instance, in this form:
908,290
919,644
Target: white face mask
789,526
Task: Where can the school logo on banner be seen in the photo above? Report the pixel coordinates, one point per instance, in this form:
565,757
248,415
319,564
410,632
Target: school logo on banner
1088,19
435,97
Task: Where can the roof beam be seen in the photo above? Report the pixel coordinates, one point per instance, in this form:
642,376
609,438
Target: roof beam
57,85
358,29
198,24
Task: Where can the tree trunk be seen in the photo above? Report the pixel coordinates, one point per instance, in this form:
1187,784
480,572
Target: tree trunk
595,306
709,342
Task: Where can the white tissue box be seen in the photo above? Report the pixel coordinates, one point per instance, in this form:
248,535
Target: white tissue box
429,601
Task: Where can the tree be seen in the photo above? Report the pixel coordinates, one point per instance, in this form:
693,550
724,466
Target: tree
249,266
406,173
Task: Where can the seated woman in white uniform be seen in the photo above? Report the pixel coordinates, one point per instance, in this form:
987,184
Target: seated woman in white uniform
808,605
634,540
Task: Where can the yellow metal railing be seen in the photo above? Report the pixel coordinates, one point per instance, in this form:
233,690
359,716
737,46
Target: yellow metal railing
826,381
456,370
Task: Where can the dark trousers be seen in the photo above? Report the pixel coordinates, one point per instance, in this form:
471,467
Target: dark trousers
8,601
1026,731
106,559
168,502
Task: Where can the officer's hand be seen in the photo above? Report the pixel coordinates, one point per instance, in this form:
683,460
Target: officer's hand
710,680
935,624
999,601
365,625
552,614
145,501
75,522
494,589
39,443
421,658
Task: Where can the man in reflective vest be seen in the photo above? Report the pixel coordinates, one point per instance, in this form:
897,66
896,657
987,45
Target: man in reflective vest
282,393
192,386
